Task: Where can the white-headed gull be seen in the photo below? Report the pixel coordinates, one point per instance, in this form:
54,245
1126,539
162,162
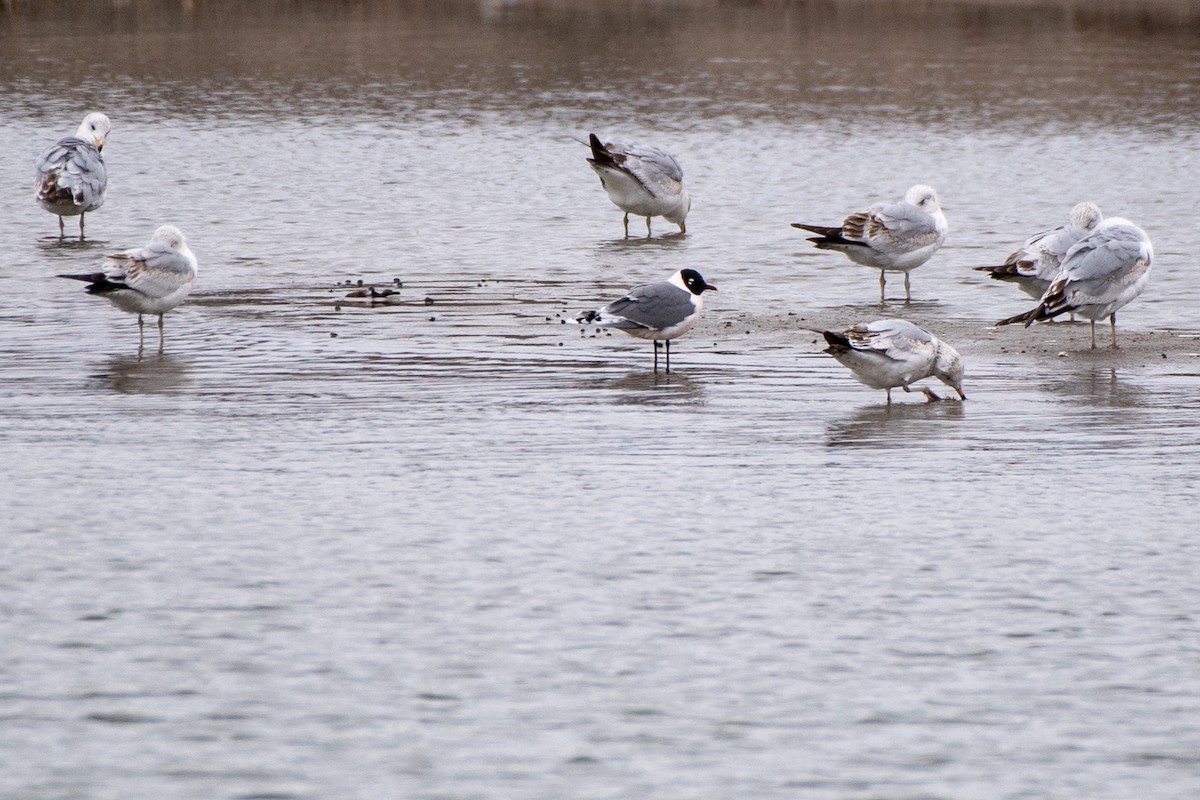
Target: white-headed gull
890,237
71,179
151,279
1037,262
1101,273
888,353
658,311
641,180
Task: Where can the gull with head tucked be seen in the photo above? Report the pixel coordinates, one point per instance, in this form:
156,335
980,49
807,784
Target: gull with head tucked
1100,274
71,179
659,311
151,279
888,353
890,237
641,180
1037,262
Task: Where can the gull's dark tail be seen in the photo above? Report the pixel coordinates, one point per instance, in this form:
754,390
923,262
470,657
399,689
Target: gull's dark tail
1053,303
829,238
821,230
838,343
601,157
98,282
1003,272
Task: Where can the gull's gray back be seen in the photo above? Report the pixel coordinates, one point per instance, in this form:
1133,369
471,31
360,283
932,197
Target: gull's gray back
653,305
76,167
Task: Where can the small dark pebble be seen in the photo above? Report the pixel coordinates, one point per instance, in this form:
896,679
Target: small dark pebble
360,281
433,319
562,322
1164,355
428,301
791,313
332,335
560,344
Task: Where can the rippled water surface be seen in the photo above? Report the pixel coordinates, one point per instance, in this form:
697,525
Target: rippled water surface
450,547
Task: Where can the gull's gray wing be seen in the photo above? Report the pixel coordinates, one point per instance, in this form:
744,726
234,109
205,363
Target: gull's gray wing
1105,253
892,227
897,339
72,170
156,270
659,172
653,305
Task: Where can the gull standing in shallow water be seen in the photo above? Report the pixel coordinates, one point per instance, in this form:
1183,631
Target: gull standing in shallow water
891,237
1100,274
661,310
641,180
888,353
151,279
71,179
1039,259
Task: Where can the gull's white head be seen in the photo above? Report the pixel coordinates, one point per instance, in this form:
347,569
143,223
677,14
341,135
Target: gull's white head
168,235
1086,216
949,367
679,214
924,198
94,128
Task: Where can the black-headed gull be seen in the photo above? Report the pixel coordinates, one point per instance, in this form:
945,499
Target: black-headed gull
890,237
641,180
658,311
71,179
1100,275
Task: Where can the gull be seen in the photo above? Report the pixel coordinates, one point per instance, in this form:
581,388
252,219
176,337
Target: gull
1037,262
1100,274
658,311
641,180
71,179
151,279
888,353
891,237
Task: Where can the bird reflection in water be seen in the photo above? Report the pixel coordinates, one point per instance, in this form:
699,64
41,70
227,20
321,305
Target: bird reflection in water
656,389
156,373
901,425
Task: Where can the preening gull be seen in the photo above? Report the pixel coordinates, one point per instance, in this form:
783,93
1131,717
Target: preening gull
151,279
658,311
888,353
71,179
891,237
1100,274
1037,262
641,180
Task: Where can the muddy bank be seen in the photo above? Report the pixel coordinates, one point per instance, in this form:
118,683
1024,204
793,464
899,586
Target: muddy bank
978,338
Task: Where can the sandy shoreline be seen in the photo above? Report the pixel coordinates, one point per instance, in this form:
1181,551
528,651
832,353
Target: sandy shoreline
981,338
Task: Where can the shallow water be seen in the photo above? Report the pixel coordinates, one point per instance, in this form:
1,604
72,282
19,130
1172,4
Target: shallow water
451,547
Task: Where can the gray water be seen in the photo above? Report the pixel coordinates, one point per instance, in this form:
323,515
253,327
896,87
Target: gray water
449,547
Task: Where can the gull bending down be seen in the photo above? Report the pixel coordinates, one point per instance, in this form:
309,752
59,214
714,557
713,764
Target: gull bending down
71,179
1100,274
658,311
888,353
890,237
151,279
641,180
